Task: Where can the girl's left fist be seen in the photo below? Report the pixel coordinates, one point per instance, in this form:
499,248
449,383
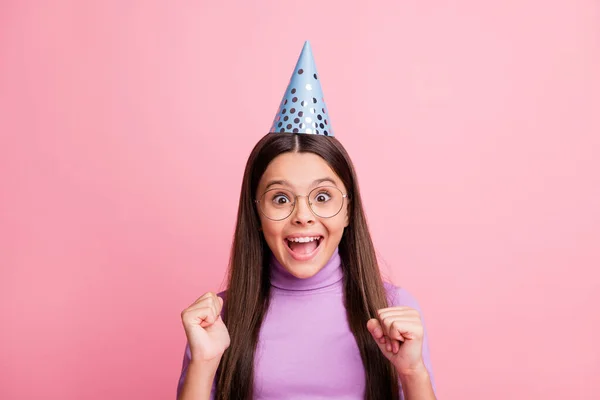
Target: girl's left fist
399,333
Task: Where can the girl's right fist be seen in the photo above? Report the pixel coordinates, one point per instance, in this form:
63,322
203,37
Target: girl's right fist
206,332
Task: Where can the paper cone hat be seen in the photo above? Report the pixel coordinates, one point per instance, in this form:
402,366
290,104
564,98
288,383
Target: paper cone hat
303,108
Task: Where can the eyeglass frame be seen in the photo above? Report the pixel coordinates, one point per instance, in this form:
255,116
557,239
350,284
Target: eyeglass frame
344,196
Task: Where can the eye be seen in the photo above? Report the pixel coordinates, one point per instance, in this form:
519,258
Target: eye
322,197
280,199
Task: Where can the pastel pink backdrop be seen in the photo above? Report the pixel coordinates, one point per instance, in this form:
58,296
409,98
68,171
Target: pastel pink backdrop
125,126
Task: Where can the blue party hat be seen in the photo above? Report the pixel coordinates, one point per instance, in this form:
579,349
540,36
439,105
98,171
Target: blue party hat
303,108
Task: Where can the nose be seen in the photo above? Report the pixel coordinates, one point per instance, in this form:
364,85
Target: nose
302,214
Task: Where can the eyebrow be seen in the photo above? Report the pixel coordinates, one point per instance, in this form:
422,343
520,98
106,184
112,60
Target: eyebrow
286,183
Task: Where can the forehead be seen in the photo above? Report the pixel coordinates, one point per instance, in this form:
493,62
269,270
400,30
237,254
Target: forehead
300,170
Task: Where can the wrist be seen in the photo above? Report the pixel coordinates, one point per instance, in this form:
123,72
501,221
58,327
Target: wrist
416,383
414,372
206,369
211,362
205,356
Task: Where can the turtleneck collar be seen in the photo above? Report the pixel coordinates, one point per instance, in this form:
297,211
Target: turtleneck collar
331,273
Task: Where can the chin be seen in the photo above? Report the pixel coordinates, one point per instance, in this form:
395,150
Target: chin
304,270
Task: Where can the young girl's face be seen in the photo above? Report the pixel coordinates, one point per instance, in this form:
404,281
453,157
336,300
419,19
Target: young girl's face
302,242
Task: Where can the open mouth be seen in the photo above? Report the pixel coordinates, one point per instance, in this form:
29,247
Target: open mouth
303,248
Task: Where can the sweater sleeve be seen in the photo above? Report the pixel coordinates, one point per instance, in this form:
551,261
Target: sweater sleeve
401,297
187,356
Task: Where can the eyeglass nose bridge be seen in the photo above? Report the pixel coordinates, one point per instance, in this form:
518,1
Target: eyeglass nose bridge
308,203
297,196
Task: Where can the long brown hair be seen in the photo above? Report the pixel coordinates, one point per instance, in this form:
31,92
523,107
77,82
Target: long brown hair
248,281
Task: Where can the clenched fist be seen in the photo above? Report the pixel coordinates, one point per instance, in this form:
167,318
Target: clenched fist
399,333
206,332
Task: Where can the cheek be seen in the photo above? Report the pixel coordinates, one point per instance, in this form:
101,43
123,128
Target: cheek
336,225
272,230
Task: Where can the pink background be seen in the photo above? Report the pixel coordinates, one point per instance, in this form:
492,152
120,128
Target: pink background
124,129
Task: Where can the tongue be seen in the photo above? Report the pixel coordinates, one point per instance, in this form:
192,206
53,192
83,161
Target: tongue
303,248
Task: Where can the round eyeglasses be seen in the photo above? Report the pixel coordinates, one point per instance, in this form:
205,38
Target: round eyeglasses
323,201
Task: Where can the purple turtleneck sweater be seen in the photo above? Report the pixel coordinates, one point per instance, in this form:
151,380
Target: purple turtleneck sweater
305,348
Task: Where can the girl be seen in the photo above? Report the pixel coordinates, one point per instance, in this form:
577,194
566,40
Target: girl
306,314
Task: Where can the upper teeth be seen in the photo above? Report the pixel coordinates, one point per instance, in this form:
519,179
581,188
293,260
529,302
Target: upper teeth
303,239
